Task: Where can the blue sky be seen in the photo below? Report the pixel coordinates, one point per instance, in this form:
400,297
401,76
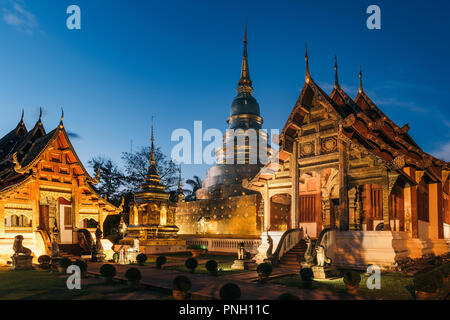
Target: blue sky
180,61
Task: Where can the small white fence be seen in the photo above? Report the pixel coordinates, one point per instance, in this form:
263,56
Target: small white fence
225,244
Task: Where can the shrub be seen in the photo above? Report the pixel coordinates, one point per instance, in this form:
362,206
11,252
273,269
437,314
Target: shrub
182,283
306,274
108,271
64,262
264,269
287,296
428,281
160,261
44,259
352,278
191,264
444,270
133,274
81,264
141,258
211,266
230,291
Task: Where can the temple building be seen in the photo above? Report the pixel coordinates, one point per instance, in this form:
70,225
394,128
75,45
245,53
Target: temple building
45,190
224,207
345,166
152,214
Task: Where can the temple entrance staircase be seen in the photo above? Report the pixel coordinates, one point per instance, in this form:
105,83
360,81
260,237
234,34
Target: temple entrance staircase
291,260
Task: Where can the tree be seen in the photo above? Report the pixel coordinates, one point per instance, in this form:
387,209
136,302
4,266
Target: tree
136,167
111,181
195,183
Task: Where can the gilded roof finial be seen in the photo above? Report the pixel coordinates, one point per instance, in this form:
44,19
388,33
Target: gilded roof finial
152,153
245,84
307,75
40,114
62,118
23,114
360,79
336,79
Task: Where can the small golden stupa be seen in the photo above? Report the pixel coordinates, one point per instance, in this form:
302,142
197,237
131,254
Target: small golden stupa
152,214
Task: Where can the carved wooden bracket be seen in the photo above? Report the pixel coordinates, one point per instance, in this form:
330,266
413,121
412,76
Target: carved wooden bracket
419,175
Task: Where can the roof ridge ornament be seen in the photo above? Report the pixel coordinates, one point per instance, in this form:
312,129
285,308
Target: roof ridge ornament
336,78
307,74
360,80
61,125
22,117
40,114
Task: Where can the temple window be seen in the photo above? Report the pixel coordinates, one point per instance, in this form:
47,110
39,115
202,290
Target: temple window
17,221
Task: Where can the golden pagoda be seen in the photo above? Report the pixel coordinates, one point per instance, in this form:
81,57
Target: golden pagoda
152,214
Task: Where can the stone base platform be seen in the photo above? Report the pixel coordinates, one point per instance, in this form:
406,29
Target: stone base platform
162,246
22,262
242,264
325,272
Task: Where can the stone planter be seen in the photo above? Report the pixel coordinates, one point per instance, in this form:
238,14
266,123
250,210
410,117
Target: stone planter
352,289
179,295
263,278
61,270
422,295
22,262
134,284
108,280
196,252
44,266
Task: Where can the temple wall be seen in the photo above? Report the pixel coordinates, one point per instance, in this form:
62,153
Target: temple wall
234,216
446,231
358,249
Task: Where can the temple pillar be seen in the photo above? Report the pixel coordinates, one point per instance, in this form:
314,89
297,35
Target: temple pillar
352,208
266,198
407,208
101,219
2,217
343,193
386,218
34,195
295,187
435,226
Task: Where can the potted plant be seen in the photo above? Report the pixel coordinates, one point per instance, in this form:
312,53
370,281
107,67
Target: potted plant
427,284
63,264
230,291
196,250
264,270
44,261
133,276
307,276
181,286
83,267
211,266
141,258
160,261
108,271
352,280
191,264
116,257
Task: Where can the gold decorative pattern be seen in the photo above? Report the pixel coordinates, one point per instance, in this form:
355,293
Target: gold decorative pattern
307,149
328,145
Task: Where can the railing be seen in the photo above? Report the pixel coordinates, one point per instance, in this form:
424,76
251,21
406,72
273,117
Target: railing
288,240
225,244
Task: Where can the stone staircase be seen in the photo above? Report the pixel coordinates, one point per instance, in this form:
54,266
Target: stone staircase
71,251
291,260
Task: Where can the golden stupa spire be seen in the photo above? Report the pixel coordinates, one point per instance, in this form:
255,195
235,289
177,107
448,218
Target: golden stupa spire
245,84
180,186
152,152
307,74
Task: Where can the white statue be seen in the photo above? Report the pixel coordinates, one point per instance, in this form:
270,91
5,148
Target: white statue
321,257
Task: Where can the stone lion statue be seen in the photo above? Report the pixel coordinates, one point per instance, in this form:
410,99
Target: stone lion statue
321,257
18,248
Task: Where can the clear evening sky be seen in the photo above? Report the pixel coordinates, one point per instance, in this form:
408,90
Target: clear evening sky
180,61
